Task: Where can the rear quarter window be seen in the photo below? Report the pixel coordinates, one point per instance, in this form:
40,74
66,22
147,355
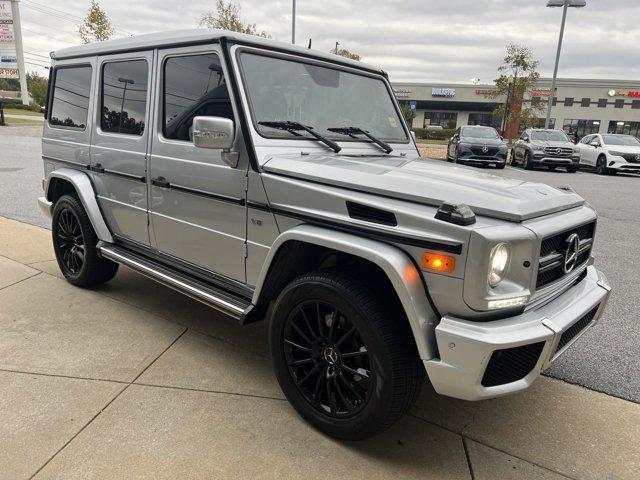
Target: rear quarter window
71,93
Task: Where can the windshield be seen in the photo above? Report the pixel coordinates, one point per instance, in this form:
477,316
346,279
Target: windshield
479,132
318,97
626,140
549,136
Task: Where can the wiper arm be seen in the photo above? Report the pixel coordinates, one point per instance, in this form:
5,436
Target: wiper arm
295,127
353,131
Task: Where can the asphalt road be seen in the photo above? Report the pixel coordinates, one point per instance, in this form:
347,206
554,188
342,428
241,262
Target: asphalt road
607,358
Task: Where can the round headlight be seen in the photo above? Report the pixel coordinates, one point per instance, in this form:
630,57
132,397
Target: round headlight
498,263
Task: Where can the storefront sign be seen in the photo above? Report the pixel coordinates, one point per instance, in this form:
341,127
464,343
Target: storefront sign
486,91
541,92
624,93
8,60
402,92
443,92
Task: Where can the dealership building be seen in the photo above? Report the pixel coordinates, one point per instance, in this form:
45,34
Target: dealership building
582,106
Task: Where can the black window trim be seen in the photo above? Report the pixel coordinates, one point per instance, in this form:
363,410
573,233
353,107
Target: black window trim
54,76
103,64
291,56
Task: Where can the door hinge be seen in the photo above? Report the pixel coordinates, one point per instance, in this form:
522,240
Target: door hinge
245,250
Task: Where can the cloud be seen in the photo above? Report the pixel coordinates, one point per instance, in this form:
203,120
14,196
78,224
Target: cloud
428,40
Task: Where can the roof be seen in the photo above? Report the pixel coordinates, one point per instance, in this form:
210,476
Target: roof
178,38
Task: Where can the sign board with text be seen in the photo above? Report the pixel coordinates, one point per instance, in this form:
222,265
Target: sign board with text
8,56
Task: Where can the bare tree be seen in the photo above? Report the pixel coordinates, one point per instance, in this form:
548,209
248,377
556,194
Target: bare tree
96,26
343,52
227,17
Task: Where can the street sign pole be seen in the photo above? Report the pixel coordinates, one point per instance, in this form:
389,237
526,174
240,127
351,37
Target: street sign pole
17,32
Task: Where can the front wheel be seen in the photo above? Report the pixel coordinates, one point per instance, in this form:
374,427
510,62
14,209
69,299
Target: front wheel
345,360
601,166
573,168
527,164
74,243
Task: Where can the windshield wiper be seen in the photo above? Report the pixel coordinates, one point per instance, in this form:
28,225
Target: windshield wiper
295,127
353,131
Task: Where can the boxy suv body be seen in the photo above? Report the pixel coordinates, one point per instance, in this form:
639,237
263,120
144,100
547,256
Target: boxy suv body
271,181
548,148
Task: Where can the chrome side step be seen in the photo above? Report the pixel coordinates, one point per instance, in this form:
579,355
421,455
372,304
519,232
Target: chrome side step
218,299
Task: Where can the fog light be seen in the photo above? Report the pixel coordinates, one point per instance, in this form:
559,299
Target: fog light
507,303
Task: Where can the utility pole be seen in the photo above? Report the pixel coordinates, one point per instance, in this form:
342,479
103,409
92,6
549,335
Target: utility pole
336,50
17,33
293,23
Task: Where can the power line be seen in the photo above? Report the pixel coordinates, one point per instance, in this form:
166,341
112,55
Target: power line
38,55
51,8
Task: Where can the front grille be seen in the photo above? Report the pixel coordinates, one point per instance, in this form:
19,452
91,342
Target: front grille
491,152
552,253
571,332
632,157
558,151
511,364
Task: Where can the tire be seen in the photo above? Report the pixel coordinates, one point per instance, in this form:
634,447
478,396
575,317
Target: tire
500,166
552,168
347,397
601,166
527,164
74,243
573,168
449,159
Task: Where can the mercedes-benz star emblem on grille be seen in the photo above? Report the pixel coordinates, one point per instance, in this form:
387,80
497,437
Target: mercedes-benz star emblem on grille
558,150
637,158
571,253
485,149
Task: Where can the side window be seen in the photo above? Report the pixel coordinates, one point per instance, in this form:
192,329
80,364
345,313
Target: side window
71,92
524,136
194,85
587,139
124,97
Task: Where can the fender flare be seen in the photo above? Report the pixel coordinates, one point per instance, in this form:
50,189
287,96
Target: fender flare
396,264
82,184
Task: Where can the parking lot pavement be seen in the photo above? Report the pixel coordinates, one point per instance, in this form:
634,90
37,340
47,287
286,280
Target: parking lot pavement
607,357
132,380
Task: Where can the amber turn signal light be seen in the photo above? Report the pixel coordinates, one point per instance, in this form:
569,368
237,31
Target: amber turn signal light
438,262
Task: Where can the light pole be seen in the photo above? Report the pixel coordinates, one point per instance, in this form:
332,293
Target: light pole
336,50
565,4
126,81
293,23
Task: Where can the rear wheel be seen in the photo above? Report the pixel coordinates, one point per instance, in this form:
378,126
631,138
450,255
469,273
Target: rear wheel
345,360
74,243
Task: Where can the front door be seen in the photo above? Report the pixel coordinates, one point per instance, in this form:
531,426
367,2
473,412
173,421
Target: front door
197,212
119,143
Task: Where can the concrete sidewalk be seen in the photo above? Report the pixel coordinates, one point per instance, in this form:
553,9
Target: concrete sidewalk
132,380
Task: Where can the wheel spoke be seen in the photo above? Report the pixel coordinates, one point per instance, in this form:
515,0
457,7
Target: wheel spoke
334,319
319,320
306,321
302,361
358,353
333,407
360,371
345,401
301,333
352,388
309,374
345,336
295,345
316,390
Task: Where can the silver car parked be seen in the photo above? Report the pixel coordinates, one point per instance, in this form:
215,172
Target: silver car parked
547,148
275,182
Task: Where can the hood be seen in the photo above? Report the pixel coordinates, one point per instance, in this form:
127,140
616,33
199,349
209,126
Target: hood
623,148
490,142
552,143
429,182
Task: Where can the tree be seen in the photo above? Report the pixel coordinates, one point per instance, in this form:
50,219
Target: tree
518,76
343,52
407,113
96,26
37,86
227,17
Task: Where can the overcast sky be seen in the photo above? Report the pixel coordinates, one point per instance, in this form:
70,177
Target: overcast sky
414,40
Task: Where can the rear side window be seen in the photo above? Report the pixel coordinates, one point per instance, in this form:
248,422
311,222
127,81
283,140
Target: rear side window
124,97
70,103
194,85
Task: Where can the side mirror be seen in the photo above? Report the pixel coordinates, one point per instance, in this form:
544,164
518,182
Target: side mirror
594,143
213,132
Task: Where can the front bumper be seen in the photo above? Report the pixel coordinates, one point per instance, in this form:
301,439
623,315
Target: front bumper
541,158
623,166
466,347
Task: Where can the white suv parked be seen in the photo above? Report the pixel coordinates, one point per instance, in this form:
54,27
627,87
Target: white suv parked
610,153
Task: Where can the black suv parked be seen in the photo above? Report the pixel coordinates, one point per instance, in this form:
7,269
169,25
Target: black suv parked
477,145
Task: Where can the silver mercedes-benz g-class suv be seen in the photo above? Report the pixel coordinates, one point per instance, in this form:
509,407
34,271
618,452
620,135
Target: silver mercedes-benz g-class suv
274,182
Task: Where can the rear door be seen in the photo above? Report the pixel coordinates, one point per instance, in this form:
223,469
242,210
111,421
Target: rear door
198,212
119,143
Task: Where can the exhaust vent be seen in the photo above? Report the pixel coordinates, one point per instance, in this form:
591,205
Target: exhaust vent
371,214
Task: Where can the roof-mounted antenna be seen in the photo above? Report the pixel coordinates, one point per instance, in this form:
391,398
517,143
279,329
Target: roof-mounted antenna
309,47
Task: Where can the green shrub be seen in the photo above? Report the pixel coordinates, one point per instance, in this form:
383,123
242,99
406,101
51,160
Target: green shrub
431,134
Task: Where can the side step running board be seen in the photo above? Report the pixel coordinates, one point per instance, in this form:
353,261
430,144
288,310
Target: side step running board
208,294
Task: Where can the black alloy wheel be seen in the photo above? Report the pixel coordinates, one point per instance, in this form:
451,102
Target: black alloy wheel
327,359
70,241
601,166
527,164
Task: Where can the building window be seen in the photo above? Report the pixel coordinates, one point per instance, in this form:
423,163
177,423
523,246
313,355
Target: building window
626,128
635,104
602,103
70,106
484,119
539,123
443,119
586,102
568,102
124,97
554,102
581,127
620,103
202,91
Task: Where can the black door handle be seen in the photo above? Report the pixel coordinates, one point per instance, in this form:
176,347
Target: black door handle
161,182
97,168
